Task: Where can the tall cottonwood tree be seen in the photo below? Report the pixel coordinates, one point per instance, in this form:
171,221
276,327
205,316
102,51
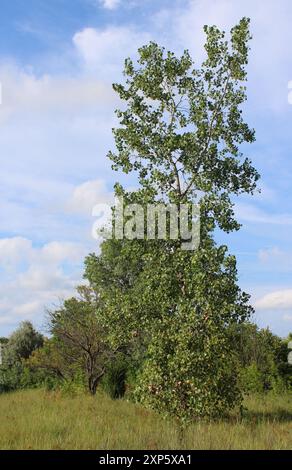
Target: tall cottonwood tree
180,130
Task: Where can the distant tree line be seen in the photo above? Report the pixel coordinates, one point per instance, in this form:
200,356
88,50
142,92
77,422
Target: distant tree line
80,353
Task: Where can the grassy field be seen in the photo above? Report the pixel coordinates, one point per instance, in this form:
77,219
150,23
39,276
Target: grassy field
49,420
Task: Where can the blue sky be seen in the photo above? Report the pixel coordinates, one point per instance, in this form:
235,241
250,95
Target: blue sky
57,62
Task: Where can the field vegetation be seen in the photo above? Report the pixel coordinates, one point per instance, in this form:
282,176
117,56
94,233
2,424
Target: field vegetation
37,419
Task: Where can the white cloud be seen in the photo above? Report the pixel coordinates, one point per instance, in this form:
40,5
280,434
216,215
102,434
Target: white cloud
27,93
57,252
35,277
110,4
27,309
104,50
42,278
14,250
87,195
63,128
280,299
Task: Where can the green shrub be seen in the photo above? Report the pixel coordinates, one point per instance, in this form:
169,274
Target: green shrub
10,377
278,385
74,386
52,383
251,379
114,381
19,376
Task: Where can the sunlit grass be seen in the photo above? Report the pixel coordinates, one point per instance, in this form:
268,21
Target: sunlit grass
49,420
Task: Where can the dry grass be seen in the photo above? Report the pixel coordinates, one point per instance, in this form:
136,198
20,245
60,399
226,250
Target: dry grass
49,420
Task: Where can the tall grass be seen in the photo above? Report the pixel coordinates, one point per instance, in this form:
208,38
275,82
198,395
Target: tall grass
38,419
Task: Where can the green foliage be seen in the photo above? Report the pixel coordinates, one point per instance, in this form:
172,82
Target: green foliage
169,315
52,383
114,381
10,377
284,368
74,386
21,344
263,354
19,376
251,379
14,372
189,375
182,125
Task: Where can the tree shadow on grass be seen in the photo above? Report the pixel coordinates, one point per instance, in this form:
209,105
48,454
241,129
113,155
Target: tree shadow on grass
246,416
280,415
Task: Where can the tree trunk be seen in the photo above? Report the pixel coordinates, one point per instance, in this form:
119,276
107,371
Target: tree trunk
94,381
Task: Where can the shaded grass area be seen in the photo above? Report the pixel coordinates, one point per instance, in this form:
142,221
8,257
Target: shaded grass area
37,419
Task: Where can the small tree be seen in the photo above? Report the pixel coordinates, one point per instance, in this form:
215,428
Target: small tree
22,343
15,351
80,338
